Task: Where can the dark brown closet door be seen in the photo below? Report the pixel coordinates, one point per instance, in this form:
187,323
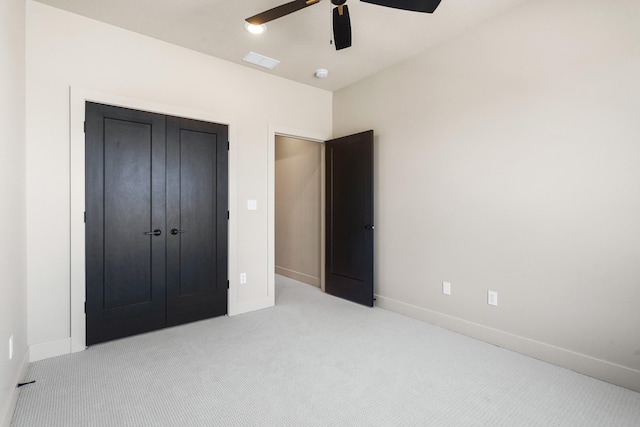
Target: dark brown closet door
156,221
196,220
125,222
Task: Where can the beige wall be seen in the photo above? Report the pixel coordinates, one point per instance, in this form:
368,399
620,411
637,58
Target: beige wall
68,54
508,159
13,301
297,211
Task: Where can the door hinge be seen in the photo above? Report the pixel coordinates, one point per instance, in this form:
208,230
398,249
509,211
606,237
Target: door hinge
228,215
227,284
85,217
85,307
228,145
85,127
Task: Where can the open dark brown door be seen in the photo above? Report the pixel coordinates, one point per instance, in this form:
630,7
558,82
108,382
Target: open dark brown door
349,217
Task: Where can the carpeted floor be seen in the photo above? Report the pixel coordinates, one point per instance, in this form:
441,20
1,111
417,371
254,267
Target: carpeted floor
313,360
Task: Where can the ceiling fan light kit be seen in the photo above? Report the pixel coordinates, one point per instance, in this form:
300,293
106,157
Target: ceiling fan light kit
341,19
255,29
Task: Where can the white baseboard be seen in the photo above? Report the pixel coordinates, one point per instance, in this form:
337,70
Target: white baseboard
22,372
49,349
300,277
249,306
601,369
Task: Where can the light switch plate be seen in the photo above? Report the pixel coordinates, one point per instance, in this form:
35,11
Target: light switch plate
492,298
446,288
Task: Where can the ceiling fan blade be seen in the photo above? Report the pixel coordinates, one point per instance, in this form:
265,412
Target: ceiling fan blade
280,11
426,6
341,27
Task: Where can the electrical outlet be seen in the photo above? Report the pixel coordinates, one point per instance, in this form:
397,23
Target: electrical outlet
252,205
446,288
492,298
243,278
11,347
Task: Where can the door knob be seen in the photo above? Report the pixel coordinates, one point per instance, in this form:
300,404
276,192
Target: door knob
155,232
175,231
369,227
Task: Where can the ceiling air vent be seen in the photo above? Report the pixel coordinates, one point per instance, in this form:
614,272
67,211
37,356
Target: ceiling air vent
261,60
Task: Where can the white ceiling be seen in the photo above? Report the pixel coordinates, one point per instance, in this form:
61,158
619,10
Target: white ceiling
301,41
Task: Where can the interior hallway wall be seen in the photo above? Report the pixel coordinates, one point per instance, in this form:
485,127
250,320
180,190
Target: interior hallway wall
13,277
297,213
507,160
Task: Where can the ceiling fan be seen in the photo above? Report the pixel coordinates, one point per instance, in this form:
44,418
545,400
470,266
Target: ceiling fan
341,19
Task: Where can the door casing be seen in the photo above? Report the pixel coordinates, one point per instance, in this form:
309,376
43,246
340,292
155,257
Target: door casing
78,97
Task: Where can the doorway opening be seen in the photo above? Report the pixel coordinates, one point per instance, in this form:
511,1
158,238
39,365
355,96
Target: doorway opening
346,214
299,209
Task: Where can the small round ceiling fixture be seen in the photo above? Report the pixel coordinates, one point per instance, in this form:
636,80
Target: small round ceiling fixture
255,29
322,73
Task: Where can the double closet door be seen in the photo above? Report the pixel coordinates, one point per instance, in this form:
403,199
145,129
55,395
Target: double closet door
156,221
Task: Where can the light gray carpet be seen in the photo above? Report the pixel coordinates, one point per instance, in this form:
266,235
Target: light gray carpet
313,360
